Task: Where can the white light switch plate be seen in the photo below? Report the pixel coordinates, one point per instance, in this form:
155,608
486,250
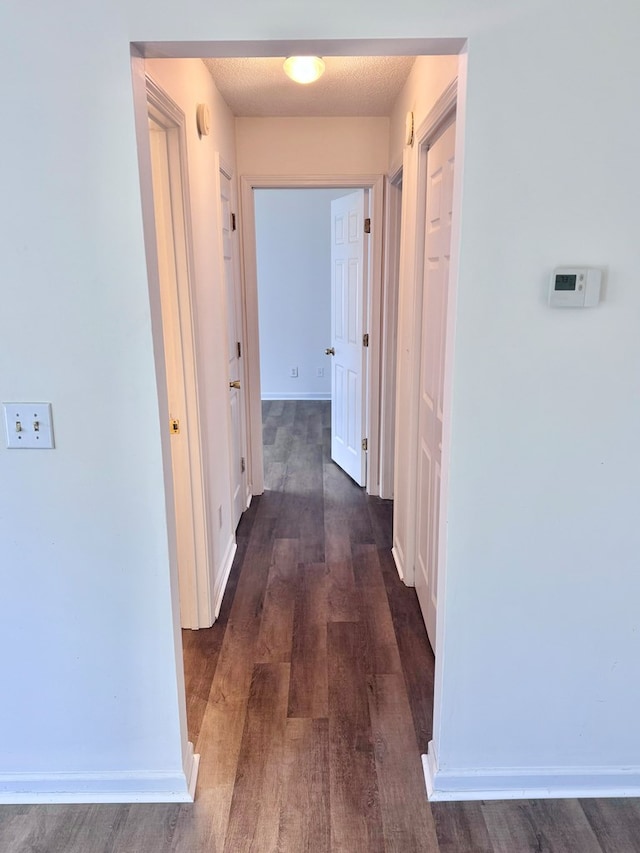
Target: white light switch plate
28,425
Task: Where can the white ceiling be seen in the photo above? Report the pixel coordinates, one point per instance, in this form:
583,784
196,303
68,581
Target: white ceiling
350,86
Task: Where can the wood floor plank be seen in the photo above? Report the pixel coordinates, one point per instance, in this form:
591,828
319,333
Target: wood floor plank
315,424
356,818
280,449
220,738
381,517
237,654
337,544
99,829
311,517
304,824
416,655
302,500
616,823
195,830
382,655
311,532
219,745
360,527
274,475
309,690
254,819
461,826
407,821
200,650
276,627
270,505
544,826
269,431
326,441
62,829
339,490
147,826
343,600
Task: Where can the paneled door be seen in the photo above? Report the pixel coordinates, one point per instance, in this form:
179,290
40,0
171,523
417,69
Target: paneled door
234,352
439,203
347,319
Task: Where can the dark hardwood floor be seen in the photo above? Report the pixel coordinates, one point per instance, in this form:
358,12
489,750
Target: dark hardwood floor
310,700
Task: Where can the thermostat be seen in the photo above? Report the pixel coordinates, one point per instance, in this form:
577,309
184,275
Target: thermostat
575,287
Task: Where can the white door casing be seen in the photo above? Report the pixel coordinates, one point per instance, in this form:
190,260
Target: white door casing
234,348
167,149
439,200
348,360
389,325
374,185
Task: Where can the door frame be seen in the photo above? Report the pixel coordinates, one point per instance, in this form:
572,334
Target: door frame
373,284
224,168
389,320
194,574
439,116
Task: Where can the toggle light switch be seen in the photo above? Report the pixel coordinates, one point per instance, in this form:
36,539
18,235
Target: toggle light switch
28,425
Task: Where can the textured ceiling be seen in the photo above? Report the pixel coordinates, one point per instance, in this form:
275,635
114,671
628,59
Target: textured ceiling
350,86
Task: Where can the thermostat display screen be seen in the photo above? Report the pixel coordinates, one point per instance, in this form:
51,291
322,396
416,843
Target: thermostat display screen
565,282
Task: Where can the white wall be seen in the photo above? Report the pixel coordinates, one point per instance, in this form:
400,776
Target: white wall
312,146
429,77
293,244
540,634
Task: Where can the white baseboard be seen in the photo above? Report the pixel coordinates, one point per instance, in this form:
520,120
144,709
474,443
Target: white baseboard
221,583
191,765
398,561
296,395
108,787
527,783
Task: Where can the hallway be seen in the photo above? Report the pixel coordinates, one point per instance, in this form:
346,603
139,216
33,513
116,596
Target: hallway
307,710
310,700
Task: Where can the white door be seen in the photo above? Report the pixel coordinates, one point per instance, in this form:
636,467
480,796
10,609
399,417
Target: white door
440,163
347,323
172,269
234,353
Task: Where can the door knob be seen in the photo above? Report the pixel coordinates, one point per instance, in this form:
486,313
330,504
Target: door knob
234,384
330,351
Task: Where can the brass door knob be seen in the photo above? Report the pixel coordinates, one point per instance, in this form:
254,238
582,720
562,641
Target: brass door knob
330,351
234,384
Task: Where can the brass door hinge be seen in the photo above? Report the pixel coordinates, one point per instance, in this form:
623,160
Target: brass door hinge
365,339
367,226
174,426
365,444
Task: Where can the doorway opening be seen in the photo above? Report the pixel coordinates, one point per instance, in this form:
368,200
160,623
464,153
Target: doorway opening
313,282
382,436
366,316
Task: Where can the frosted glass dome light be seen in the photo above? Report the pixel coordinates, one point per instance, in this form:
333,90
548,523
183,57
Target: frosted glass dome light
303,69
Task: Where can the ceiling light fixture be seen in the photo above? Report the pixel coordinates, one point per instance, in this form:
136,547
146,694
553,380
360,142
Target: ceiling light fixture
303,69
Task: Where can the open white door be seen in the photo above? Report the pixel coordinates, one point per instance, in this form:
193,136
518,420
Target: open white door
234,352
347,350
172,240
440,164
